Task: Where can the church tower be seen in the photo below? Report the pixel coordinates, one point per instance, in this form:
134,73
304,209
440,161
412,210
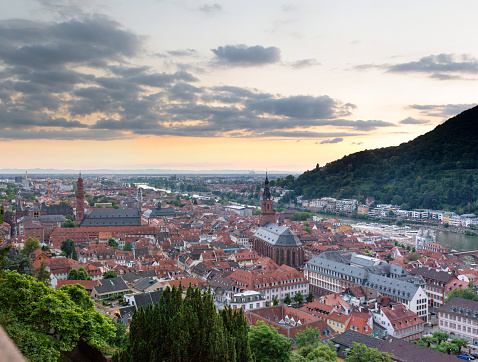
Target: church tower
80,201
268,214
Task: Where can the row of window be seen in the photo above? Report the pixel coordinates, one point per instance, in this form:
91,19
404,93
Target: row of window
459,318
459,327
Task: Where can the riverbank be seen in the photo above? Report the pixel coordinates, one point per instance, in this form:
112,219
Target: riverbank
403,235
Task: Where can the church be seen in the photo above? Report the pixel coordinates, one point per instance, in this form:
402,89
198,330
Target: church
102,217
276,241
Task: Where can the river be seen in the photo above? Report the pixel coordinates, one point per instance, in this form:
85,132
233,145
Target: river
450,240
455,241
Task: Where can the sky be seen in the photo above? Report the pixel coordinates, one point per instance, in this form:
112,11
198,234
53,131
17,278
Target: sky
227,85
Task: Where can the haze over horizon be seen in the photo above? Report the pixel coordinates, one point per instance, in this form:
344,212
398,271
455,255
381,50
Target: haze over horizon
225,85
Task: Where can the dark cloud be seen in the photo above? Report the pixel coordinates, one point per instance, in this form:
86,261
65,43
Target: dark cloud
48,90
210,8
411,120
75,42
60,135
305,63
304,107
246,56
442,110
335,140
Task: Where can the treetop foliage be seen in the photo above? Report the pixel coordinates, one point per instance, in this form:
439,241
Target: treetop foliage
189,329
43,322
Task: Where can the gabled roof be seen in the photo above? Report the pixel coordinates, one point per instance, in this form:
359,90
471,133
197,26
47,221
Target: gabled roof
112,217
277,235
111,285
429,273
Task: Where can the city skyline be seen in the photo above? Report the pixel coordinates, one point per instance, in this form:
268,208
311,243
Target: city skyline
226,85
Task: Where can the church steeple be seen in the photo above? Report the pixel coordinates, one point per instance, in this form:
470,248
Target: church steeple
268,214
80,201
266,195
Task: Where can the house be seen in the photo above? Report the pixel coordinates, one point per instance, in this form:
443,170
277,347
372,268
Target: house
148,285
400,322
87,284
248,300
338,321
274,283
459,318
109,287
401,350
289,321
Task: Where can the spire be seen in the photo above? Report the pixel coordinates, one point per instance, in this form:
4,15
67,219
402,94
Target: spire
266,195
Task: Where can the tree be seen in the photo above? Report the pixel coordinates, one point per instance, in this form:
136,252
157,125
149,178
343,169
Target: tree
361,353
113,243
459,342
78,274
414,256
466,293
30,246
275,300
307,336
72,274
287,299
109,274
3,255
310,297
429,341
43,322
299,298
68,246
68,224
317,352
267,345
187,329
440,336
446,347
42,275
128,246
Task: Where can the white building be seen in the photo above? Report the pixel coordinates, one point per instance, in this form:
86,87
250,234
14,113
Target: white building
248,300
399,322
459,318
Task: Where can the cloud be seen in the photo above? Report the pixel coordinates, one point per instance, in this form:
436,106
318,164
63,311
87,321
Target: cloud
210,8
302,107
441,66
441,110
442,63
411,120
76,79
246,56
305,63
92,41
357,143
182,52
335,140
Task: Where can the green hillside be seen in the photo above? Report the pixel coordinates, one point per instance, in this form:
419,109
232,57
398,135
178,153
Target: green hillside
437,170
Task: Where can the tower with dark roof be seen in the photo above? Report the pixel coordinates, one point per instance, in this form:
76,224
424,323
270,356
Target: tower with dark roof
268,214
80,201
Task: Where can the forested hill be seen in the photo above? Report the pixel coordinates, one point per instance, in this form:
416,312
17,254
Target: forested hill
437,170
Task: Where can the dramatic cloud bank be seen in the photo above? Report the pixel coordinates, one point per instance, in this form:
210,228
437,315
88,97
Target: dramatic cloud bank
76,79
